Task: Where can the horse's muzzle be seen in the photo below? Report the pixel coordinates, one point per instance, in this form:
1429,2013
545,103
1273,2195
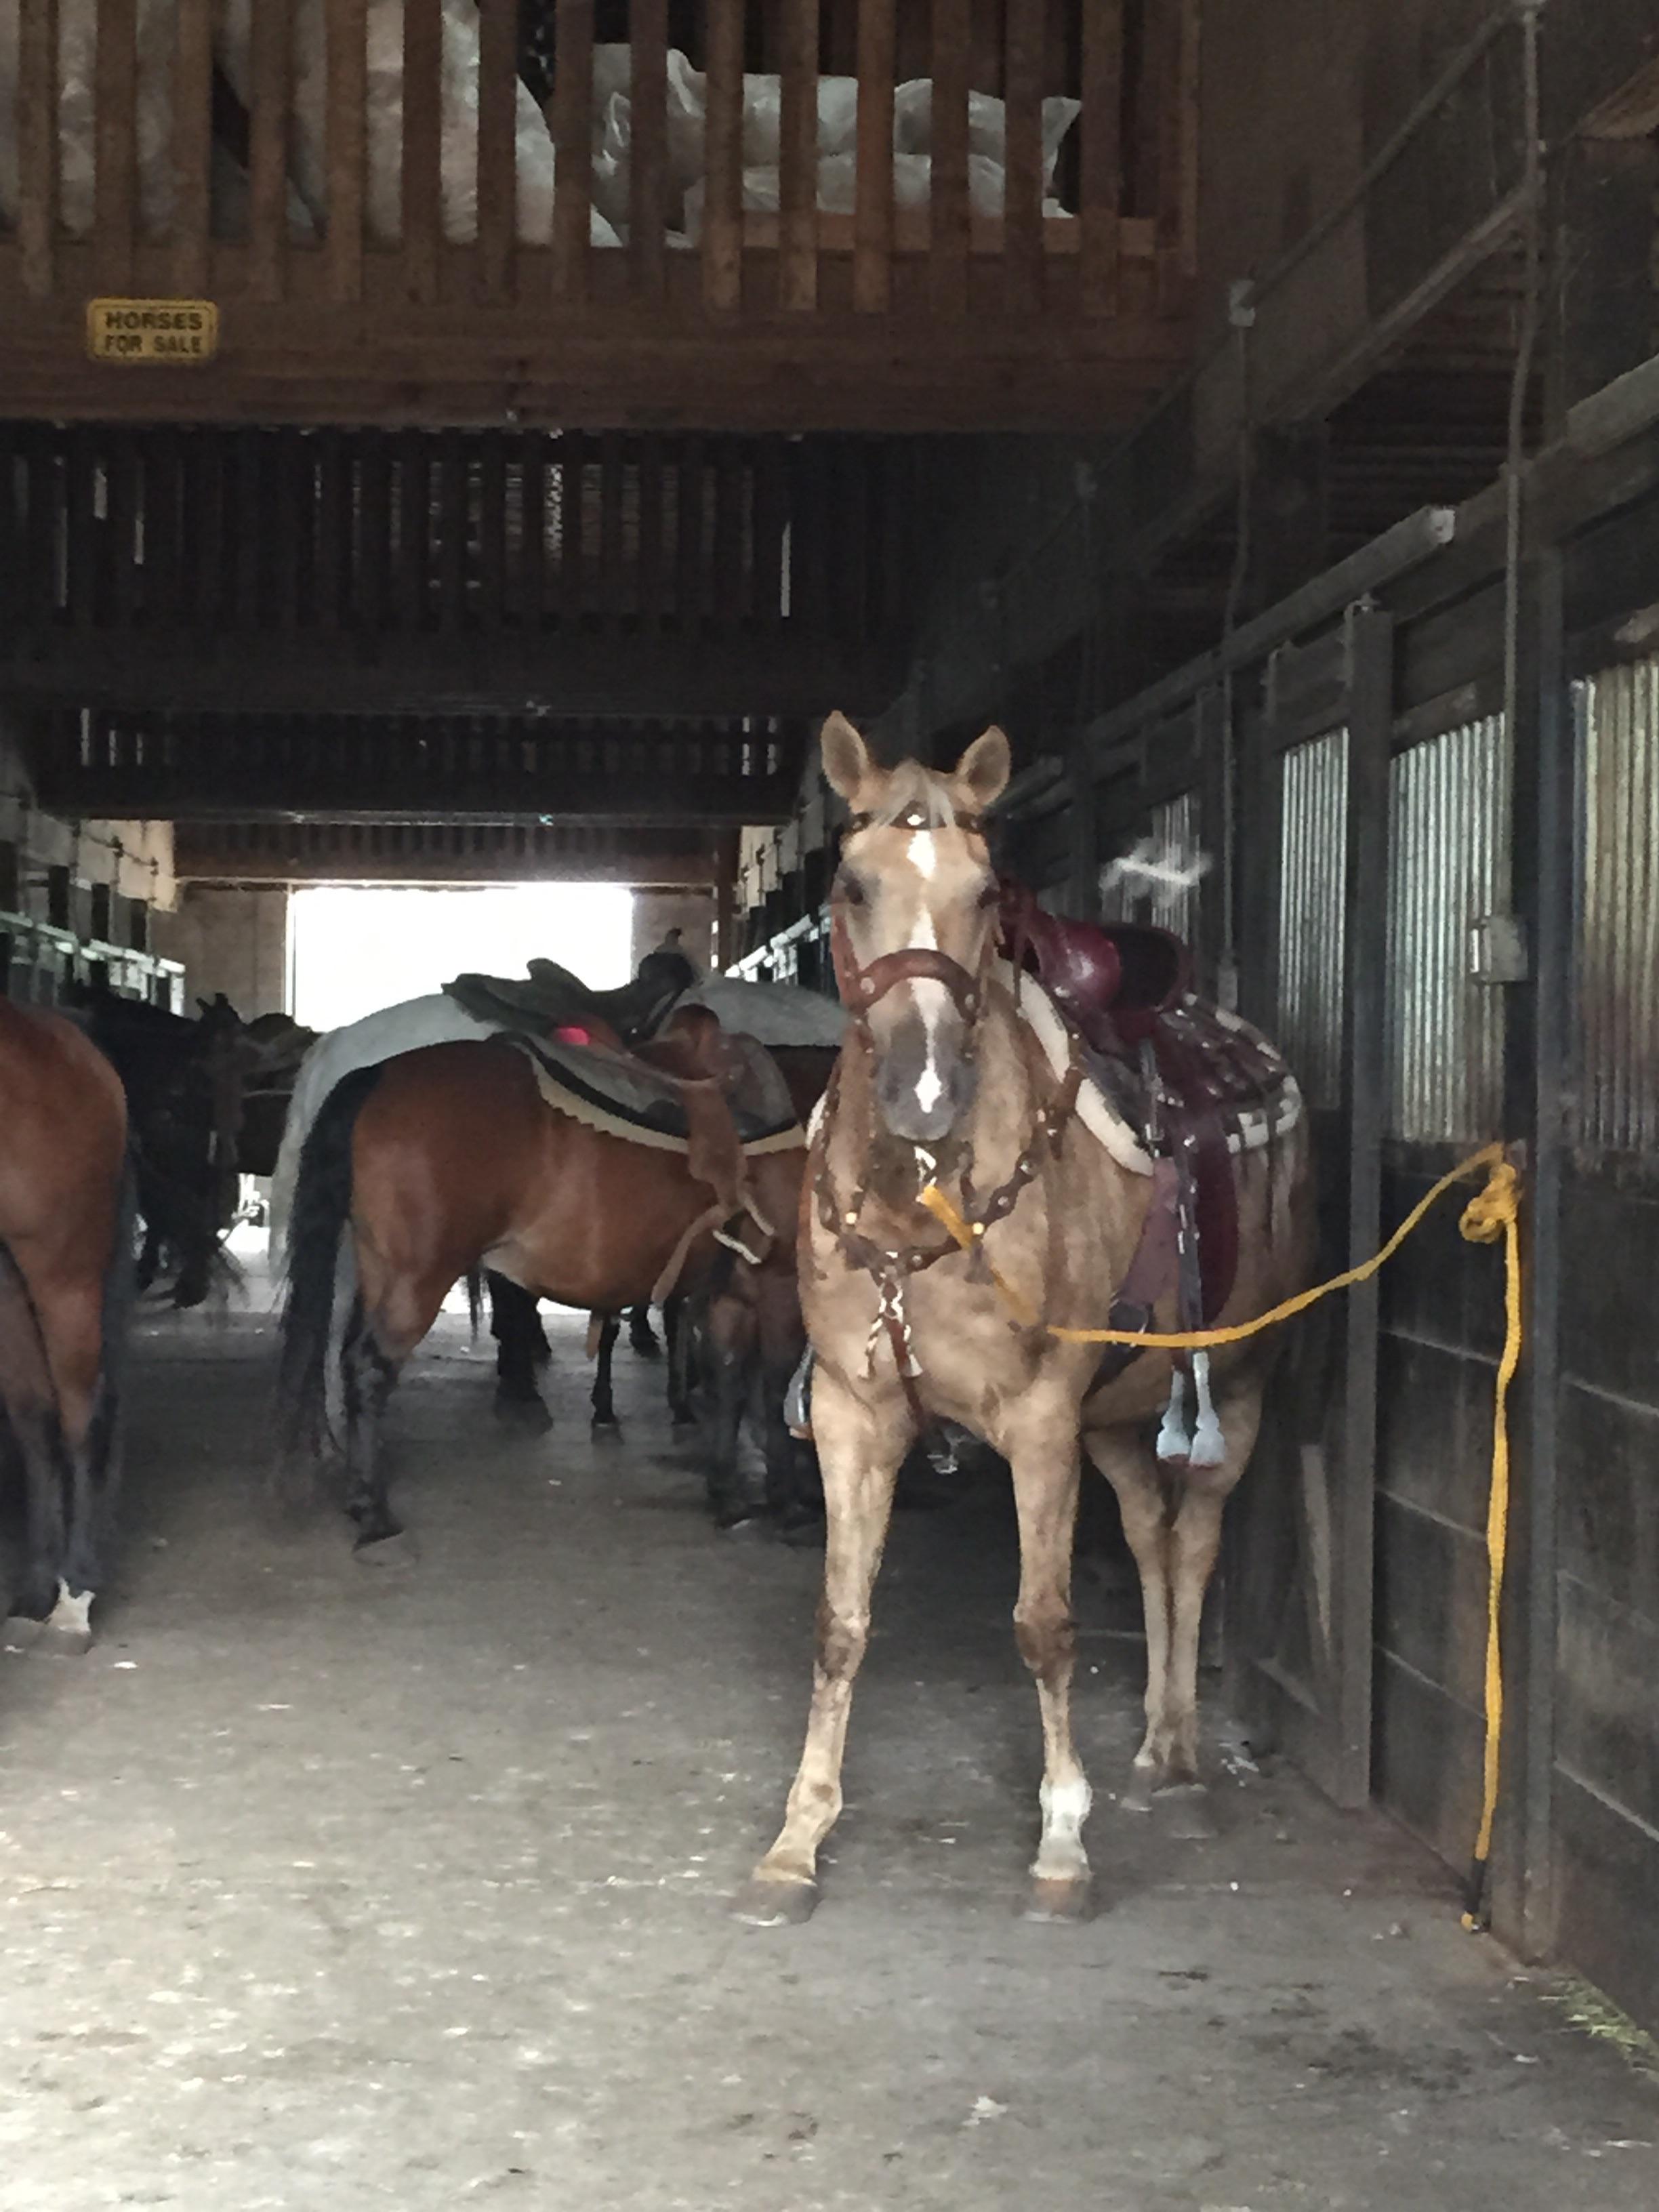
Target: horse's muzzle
923,1084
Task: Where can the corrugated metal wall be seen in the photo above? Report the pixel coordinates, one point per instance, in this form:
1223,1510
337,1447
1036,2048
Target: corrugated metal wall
1175,835
1311,894
1449,840
1617,965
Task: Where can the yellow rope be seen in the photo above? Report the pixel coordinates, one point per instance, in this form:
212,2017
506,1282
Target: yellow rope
1491,1214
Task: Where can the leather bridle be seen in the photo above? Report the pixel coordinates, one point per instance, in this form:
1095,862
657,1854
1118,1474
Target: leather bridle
863,986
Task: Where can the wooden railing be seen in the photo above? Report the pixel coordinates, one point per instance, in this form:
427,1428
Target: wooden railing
463,238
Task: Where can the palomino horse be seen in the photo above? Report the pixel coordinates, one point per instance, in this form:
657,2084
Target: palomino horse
449,1159
946,1082
65,1260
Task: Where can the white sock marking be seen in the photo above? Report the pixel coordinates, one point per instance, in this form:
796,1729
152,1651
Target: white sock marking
1064,1808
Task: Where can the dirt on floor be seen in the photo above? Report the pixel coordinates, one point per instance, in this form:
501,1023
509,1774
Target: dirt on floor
329,1888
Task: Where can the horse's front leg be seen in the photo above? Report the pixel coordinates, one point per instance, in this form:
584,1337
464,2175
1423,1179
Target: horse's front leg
1041,1447
861,1441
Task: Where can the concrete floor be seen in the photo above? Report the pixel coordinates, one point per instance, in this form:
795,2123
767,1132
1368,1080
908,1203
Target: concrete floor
325,1889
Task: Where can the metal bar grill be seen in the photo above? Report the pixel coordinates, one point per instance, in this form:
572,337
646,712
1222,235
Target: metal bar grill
1311,927
1617,953
1449,821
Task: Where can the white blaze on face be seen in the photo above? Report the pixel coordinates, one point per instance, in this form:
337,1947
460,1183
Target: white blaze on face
930,996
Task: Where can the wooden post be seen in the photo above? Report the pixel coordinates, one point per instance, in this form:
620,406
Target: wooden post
37,143
1364,961
192,130
498,154
949,225
798,223
1100,195
573,138
422,179
1022,227
347,132
647,214
116,195
270,64
722,211
872,204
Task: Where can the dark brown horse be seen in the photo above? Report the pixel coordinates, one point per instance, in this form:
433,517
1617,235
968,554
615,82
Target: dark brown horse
65,1257
448,1160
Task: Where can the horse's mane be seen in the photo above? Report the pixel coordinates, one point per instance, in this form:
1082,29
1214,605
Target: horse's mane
910,787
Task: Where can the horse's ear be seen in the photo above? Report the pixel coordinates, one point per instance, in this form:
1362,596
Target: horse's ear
847,760
984,767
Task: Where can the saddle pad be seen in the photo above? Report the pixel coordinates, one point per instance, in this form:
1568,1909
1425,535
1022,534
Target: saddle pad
626,1099
1255,1120
772,1013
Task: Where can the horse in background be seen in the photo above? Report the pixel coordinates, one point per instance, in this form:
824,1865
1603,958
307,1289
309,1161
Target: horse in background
65,1267
579,1213
1051,1199
182,1081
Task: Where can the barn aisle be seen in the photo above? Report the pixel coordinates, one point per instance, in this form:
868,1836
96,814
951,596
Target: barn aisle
330,1888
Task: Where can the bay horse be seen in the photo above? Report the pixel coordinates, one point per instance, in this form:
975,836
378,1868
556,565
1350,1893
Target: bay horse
65,1265
945,1082
448,1160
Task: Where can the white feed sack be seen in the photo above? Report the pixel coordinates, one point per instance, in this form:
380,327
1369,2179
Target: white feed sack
78,67
459,80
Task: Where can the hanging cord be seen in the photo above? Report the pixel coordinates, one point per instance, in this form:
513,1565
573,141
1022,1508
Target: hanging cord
1241,310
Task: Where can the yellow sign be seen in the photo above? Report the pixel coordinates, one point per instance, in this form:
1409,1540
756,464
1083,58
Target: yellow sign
169,332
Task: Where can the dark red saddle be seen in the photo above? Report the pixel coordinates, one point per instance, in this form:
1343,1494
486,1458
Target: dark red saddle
1172,1068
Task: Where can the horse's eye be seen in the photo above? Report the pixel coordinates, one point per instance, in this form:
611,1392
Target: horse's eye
852,891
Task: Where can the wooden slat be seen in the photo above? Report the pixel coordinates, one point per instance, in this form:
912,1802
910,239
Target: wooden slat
532,554
722,219
649,189
498,173
413,465
873,206
573,500
612,579
949,227
116,139
36,143
347,146
453,503
493,530
771,520
44,490
731,496
1027,30
854,580
82,528
798,152
126,459
1100,187
290,462
688,564
1182,183
650,555
192,145
249,525
423,177
332,530
573,136
272,68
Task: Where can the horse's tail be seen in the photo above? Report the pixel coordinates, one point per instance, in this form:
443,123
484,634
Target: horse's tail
320,1211
120,1293
475,1298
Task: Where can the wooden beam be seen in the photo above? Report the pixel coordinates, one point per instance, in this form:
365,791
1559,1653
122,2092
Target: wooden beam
1101,186
572,139
192,145
722,217
1027,28
347,146
873,206
495,269
798,154
949,202
323,852
423,177
116,140
648,211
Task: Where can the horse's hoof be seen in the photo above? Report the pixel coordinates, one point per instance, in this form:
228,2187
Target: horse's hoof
1059,1898
60,1639
1184,1811
21,1633
607,1432
646,1346
529,1414
1138,1797
764,1904
396,1549
736,1520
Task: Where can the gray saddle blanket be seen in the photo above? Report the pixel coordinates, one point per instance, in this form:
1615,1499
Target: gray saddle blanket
639,1095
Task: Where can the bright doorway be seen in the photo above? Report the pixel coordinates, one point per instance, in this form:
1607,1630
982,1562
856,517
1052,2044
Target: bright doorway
357,948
